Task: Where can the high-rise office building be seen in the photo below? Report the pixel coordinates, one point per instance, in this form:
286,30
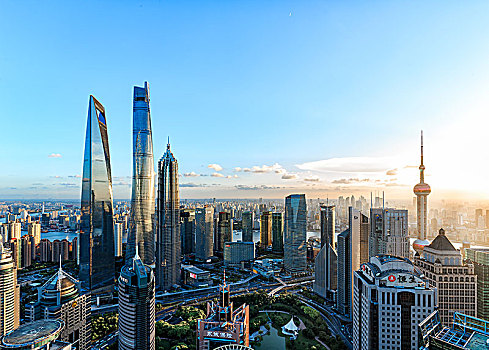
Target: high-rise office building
224,229
204,228
247,226
421,190
34,229
295,260
480,258
187,231
26,256
136,306
168,251
390,300
62,297
277,233
442,265
266,229
15,230
9,305
388,232
326,261
118,239
143,200
352,252
97,263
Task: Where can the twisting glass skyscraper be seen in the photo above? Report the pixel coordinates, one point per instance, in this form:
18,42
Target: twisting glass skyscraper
168,249
143,201
97,225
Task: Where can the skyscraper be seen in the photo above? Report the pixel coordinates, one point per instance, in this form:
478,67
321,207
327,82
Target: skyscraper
62,297
247,227
143,201
352,252
187,231
118,239
224,229
204,227
326,260
421,190
97,263
168,251
277,233
136,306
390,299
9,306
480,258
295,260
266,228
388,232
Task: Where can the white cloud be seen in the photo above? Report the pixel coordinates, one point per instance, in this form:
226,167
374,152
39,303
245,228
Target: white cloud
289,176
54,155
264,169
391,172
191,174
238,169
312,179
217,175
216,167
350,165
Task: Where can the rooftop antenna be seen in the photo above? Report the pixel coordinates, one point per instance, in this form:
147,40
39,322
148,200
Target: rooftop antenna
371,200
383,201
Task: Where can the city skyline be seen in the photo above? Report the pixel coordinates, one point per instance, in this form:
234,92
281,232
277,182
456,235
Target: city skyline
331,70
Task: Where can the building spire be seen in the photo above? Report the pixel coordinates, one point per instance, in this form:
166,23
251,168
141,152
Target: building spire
421,167
168,144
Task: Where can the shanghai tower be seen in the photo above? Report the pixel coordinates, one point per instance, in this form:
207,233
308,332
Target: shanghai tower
168,250
97,262
143,201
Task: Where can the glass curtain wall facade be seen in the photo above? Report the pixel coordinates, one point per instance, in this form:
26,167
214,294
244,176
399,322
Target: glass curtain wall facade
143,201
247,227
295,234
168,251
277,233
97,263
204,227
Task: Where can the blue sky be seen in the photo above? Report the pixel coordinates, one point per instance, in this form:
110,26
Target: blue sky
311,94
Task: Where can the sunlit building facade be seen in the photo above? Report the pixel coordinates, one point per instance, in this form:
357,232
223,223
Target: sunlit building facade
143,201
136,306
168,251
266,228
9,305
97,262
295,253
204,228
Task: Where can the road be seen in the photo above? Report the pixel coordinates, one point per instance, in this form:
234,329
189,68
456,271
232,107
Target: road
331,319
206,294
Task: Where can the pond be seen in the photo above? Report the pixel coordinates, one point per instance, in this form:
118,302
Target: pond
271,341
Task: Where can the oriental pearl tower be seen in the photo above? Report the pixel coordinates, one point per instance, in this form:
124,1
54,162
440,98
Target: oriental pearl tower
421,190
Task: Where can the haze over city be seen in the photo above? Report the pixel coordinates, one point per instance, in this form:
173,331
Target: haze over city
259,100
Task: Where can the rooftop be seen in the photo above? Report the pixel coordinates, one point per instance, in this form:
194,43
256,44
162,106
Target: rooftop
32,333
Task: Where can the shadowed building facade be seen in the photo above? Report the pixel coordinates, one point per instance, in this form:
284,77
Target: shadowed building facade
247,226
277,233
97,263
143,201
295,253
352,252
168,251
326,260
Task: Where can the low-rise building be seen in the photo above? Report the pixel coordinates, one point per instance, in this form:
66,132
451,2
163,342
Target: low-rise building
239,253
195,277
